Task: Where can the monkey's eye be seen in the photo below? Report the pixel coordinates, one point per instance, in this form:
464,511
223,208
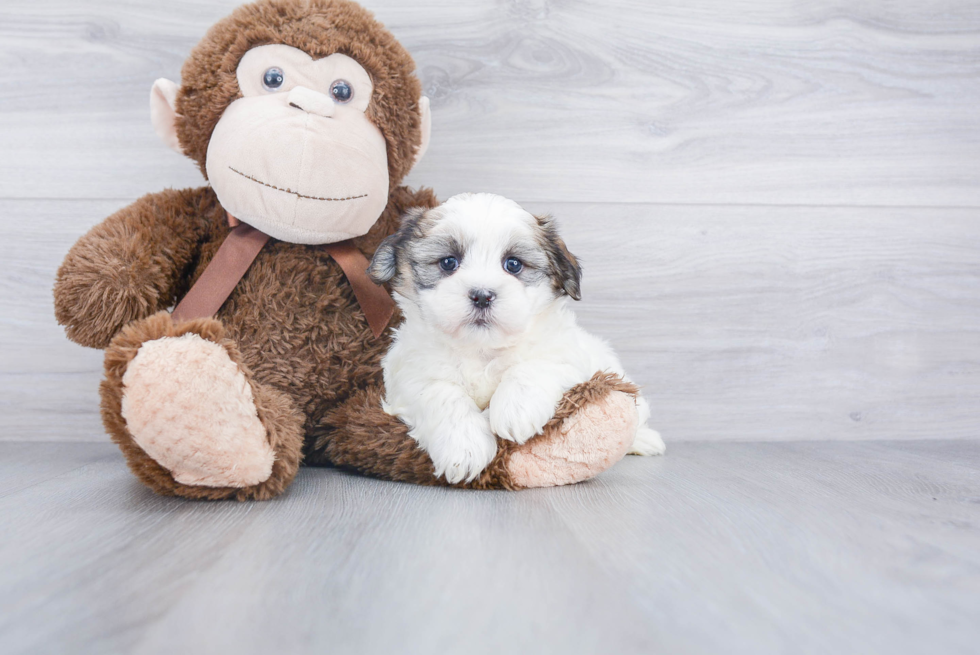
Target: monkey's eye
341,91
513,265
273,78
449,264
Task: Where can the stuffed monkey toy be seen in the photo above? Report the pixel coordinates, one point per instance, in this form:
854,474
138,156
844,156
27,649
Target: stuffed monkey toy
304,116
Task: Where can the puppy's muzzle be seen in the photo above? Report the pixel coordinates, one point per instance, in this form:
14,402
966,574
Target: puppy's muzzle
482,298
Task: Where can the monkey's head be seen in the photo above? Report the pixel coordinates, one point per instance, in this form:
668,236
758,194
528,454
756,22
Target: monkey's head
300,113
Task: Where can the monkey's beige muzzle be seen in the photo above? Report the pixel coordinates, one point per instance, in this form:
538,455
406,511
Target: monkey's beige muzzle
299,167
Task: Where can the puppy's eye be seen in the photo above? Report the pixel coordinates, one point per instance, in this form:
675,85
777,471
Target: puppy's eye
513,265
449,264
341,91
273,78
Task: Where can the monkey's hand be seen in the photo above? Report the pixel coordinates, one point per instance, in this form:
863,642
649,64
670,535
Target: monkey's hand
129,266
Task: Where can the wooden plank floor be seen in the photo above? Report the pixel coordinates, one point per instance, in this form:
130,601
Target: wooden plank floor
802,547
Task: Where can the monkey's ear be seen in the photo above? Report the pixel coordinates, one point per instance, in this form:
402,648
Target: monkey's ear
426,129
163,113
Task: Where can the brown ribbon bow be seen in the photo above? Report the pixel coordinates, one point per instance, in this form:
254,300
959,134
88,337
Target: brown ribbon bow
239,250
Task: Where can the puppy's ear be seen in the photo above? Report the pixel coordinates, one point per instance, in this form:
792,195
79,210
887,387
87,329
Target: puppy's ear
384,265
565,269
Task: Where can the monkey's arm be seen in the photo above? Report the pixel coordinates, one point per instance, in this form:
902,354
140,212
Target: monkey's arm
132,264
592,429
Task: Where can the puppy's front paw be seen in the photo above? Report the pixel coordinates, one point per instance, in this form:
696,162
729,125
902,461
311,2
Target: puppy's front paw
463,451
518,412
647,442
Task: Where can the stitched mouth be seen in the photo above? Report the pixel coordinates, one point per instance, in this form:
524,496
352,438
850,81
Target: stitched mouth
295,193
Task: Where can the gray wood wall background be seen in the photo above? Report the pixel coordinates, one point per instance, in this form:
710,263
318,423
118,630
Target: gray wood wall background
777,203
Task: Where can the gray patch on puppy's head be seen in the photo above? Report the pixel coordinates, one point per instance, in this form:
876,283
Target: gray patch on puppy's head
409,258
537,265
425,253
564,269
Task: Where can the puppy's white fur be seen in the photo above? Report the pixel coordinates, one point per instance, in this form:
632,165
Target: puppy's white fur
457,374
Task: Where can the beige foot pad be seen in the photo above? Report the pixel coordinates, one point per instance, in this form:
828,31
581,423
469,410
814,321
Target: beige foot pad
190,408
589,442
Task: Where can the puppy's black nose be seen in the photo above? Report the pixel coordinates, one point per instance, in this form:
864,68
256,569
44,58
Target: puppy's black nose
482,298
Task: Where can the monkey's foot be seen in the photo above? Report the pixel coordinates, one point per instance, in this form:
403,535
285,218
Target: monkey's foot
192,410
592,430
190,419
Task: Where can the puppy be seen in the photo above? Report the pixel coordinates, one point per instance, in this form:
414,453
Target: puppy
489,344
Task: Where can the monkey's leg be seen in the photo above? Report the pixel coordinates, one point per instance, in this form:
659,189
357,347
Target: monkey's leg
190,419
593,429
358,435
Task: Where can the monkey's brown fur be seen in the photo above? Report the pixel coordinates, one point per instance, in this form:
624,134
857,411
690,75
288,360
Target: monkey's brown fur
369,426
292,324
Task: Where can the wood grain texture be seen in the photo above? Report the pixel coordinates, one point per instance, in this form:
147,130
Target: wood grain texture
741,323
734,548
777,207
724,102
766,323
